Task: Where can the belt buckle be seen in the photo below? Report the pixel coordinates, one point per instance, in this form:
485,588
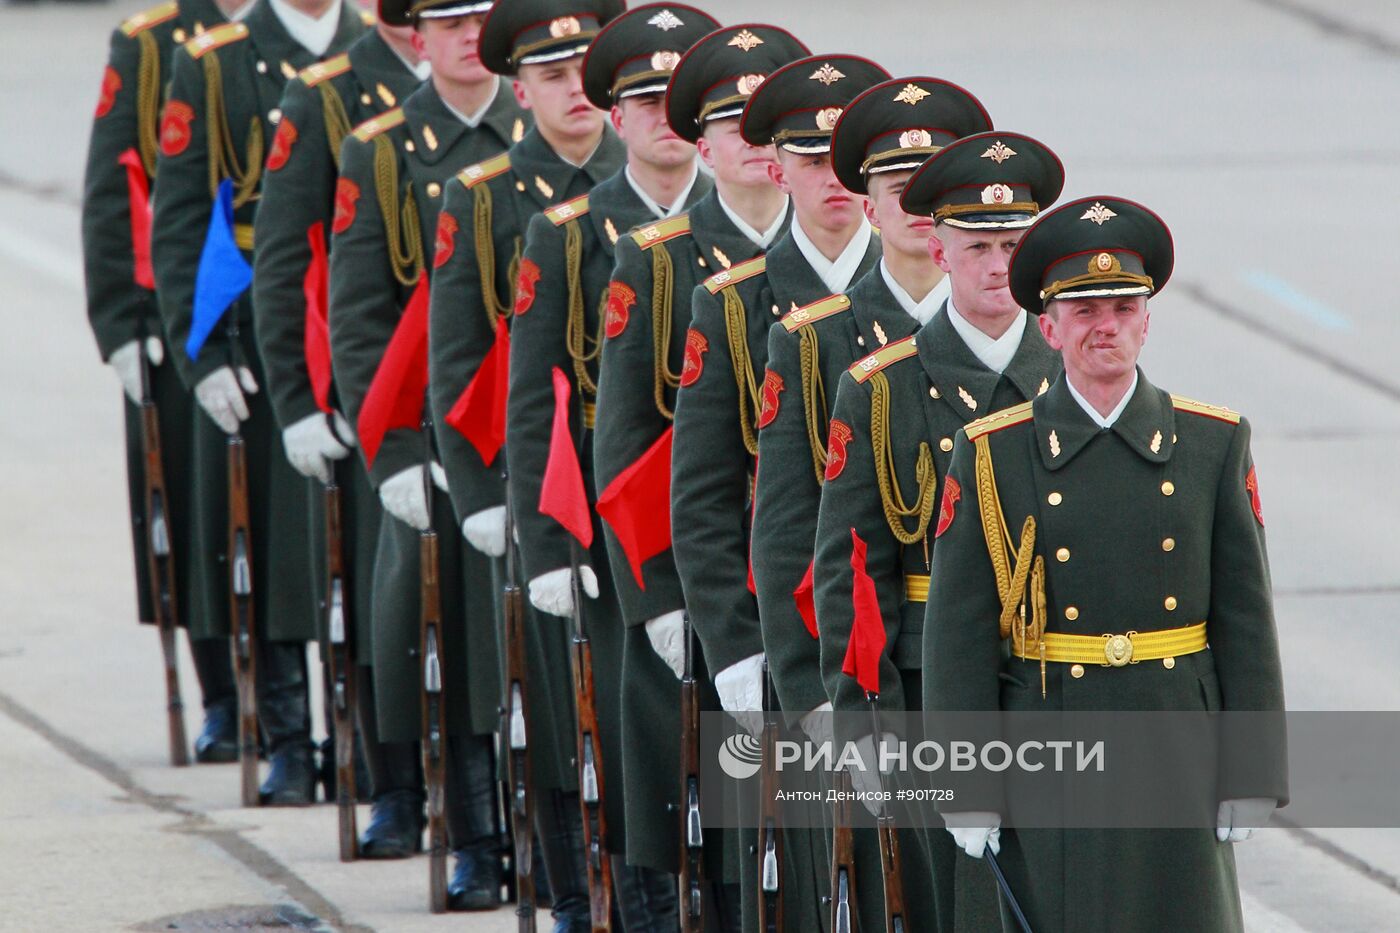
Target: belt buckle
1118,650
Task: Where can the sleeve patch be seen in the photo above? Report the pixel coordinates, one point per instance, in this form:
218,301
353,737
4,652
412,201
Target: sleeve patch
282,144
445,243
346,194
947,509
838,436
1251,484
621,298
175,127
525,285
111,83
772,392
695,347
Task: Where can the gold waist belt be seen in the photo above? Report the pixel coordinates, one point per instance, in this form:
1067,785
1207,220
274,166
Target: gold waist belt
1117,650
916,587
243,236
590,415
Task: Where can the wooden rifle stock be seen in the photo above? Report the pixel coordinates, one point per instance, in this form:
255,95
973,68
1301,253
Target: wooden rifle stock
434,735
770,843
843,868
514,729
244,633
890,872
590,766
692,838
341,665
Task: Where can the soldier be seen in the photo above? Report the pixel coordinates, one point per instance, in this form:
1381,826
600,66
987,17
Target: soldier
481,230
1126,483
880,139
392,171
293,233
124,316
225,89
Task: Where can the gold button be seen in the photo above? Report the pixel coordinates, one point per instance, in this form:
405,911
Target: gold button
701,260
1071,612
434,189
776,312
274,116
520,186
1169,663
366,99
1062,554
1076,671
1168,488
946,444
1054,498
180,36
408,145
860,340
1170,603
934,392
262,68
1168,544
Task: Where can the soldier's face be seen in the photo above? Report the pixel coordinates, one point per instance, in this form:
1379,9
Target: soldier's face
734,161
818,199
906,234
641,124
450,44
1100,338
554,92
976,262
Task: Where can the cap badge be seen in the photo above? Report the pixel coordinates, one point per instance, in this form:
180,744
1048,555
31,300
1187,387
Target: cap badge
564,26
911,95
998,194
999,152
826,119
746,41
665,61
1104,262
826,75
749,83
915,139
665,21
1098,214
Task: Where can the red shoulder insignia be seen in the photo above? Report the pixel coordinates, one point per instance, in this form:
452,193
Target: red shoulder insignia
1251,484
346,194
282,144
952,492
445,243
695,347
525,284
838,436
772,390
621,298
175,127
111,83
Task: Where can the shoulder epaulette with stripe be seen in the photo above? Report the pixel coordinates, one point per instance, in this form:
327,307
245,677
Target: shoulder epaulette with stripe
997,420
816,311
1218,412
473,175
863,369
369,19
313,75
662,231
376,125
736,274
148,18
215,38
561,214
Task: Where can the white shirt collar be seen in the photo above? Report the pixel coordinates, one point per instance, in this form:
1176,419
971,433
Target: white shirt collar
240,14
662,212
473,120
836,276
423,70
761,240
995,354
312,33
921,311
1103,421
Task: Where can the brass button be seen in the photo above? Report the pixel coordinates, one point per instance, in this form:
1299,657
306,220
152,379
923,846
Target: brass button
1062,554
1169,663
1076,671
366,99
1170,603
776,312
1054,498
180,37
1168,544
1071,612
934,392
434,189
860,340
262,68
520,186
946,444
1168,488
701,260
408,145
274,116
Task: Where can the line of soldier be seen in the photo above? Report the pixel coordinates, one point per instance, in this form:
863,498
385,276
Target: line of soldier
580,270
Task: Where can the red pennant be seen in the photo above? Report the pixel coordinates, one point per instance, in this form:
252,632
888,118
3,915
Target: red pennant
561,495
805,597
316,338
395,396
1251,483
479,413
111,83
138,193
175,127
637,505
867,644
947,509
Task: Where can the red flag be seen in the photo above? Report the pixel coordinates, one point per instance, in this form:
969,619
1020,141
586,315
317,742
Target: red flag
867,644
561,495
637,505
395,396
316,339
479,414
806,600
138,193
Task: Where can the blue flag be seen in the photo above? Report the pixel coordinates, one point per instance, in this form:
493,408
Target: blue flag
223,274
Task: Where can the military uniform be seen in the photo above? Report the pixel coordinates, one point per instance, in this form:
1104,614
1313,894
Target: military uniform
122,308
1165,501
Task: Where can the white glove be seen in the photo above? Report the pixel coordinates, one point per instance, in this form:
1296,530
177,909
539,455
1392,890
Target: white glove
439,475
221,397
867,780
740,689
1237,819
310,443
975,831
667,634
126,363
404,497
553,592
817,724
486,530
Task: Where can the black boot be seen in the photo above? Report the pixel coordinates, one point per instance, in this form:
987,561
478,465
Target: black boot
218,740
645,899
284,714
396,817
471,824
559,840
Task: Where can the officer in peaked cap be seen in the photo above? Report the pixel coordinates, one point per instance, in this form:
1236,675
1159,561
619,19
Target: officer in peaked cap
719,74
536,32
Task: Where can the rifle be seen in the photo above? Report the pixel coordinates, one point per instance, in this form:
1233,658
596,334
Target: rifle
692,839
590,764
244,632
843,867
770,846
341,668
160,563
434,732
889,838
516,715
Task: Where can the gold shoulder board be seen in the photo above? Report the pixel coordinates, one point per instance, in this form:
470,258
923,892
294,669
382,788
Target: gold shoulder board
1218,412
662,231
816,311
733,276
148,18
473,175
997,420
376,125
215,38
313,75
891,353
561,214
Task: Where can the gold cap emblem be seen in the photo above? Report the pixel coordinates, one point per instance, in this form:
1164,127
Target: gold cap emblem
999,152
746,41
749,83
826,119
564,26
665,21
998,194
915,139
1103,262
665,61
911,94
1098,214
826,75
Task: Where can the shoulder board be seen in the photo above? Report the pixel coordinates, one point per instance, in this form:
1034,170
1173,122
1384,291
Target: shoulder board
891,353
661,231
313,75
736,274
561,214
148,18
376,125
369,19
473,175
1218,412
816,311
997,420
215,38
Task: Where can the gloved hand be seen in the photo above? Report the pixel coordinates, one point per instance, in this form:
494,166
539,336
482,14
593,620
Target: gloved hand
667,634
311,443
553,592
867,781
439,475
405,498
220,394
817,724
126,363
740,689
1237,819
975,831
486,530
